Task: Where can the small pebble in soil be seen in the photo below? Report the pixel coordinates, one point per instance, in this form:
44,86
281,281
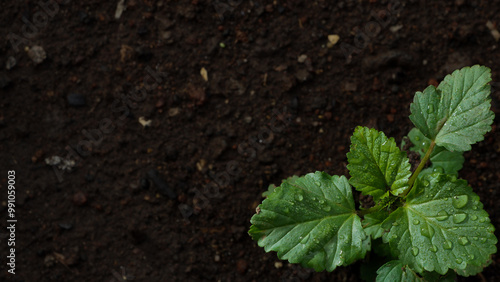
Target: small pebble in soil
278,264
241,266
76,100
144,183
10,63
79,198
216,258
65,225
37,54
161,184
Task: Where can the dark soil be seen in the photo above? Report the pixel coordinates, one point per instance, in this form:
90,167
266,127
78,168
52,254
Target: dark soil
172,201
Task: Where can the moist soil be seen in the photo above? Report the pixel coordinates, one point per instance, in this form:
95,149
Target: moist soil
160,168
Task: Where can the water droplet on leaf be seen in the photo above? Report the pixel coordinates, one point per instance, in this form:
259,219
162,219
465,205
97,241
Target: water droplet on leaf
459,217
460,201
434,248
463,241
459,260
327,208
305,239
427,231
415,251
417,138
430,109
299,197
438,169
442,215
473,217
416,221
447,245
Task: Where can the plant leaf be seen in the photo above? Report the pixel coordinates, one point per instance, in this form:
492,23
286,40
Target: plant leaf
442,160
311,221
372,223
441,226
271,187
394,271
376,164
457,113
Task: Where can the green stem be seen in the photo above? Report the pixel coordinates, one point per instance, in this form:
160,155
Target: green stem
419,169
373,209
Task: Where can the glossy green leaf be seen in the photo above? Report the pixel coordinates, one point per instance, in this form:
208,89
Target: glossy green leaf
311,221
372,223
395,271
441,226
376,164
271,187
442,160
457,113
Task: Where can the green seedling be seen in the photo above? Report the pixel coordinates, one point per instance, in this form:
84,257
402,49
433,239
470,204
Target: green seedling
429,223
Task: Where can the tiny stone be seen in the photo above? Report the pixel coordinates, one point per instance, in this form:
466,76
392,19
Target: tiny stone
76,100
143,183
37,54
247,119
11,62
302,58
278,264
172,112
217,258
65,225
241,266
79,199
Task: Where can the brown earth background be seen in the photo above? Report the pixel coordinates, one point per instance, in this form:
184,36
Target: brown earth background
169,197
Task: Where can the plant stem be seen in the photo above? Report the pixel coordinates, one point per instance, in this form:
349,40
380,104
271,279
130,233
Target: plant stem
373,209
419,168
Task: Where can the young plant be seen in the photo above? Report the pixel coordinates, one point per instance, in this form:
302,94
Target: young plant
432,224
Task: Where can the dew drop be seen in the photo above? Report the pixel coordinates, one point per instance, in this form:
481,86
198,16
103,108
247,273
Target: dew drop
459,217
327,208
395,223
321,201
447,245
426,183
482,220
434,248
318,183
471,256
430,109
442,215
417,138
475,238
438,169
460,201
459,260
427,231
299,197
415,251
473,217
416,221
483,240
463,241
474,207
305,239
